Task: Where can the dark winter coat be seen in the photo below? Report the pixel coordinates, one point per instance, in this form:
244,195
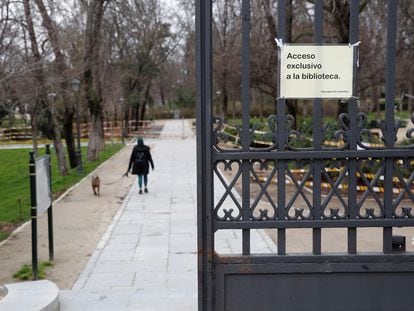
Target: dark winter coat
140,159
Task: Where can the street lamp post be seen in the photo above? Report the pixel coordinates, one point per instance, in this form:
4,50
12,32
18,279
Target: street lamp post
122,101
51,98
75,85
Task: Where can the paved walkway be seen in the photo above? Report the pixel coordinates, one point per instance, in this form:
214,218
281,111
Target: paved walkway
147,258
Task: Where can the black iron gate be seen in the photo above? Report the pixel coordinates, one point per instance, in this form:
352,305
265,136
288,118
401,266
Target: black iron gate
352,171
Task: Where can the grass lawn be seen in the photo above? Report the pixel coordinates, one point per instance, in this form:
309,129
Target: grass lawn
15,187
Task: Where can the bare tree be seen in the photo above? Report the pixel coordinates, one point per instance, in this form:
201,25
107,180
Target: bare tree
143,43
226,25
42,100
298,29
405,52
92,86
63,80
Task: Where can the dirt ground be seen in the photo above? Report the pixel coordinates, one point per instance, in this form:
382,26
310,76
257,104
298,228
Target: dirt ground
80,219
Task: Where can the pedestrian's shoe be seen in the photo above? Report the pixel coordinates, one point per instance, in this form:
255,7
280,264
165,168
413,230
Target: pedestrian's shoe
146,190
140,191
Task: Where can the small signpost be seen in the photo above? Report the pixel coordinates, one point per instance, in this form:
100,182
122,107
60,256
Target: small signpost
41,201
316,71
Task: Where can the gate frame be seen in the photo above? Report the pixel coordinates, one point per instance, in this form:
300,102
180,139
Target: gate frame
212,268
204,156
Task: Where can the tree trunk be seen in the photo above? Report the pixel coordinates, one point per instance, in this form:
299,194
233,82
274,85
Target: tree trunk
61,69
92,85
96,137
39,77
126,119
146,101
143,111
69,138
410,100
57,143
225,103
162,94
136,116
95,132
376,102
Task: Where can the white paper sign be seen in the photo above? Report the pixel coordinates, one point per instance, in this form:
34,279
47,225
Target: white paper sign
43,194
316,71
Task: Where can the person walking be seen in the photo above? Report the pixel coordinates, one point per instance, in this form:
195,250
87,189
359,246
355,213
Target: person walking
139,162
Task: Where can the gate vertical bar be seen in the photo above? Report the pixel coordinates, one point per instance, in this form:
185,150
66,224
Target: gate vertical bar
317,138
390,131
353,112
246,139
205,202
281,136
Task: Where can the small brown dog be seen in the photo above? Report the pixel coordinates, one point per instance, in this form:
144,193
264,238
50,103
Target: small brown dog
96,184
